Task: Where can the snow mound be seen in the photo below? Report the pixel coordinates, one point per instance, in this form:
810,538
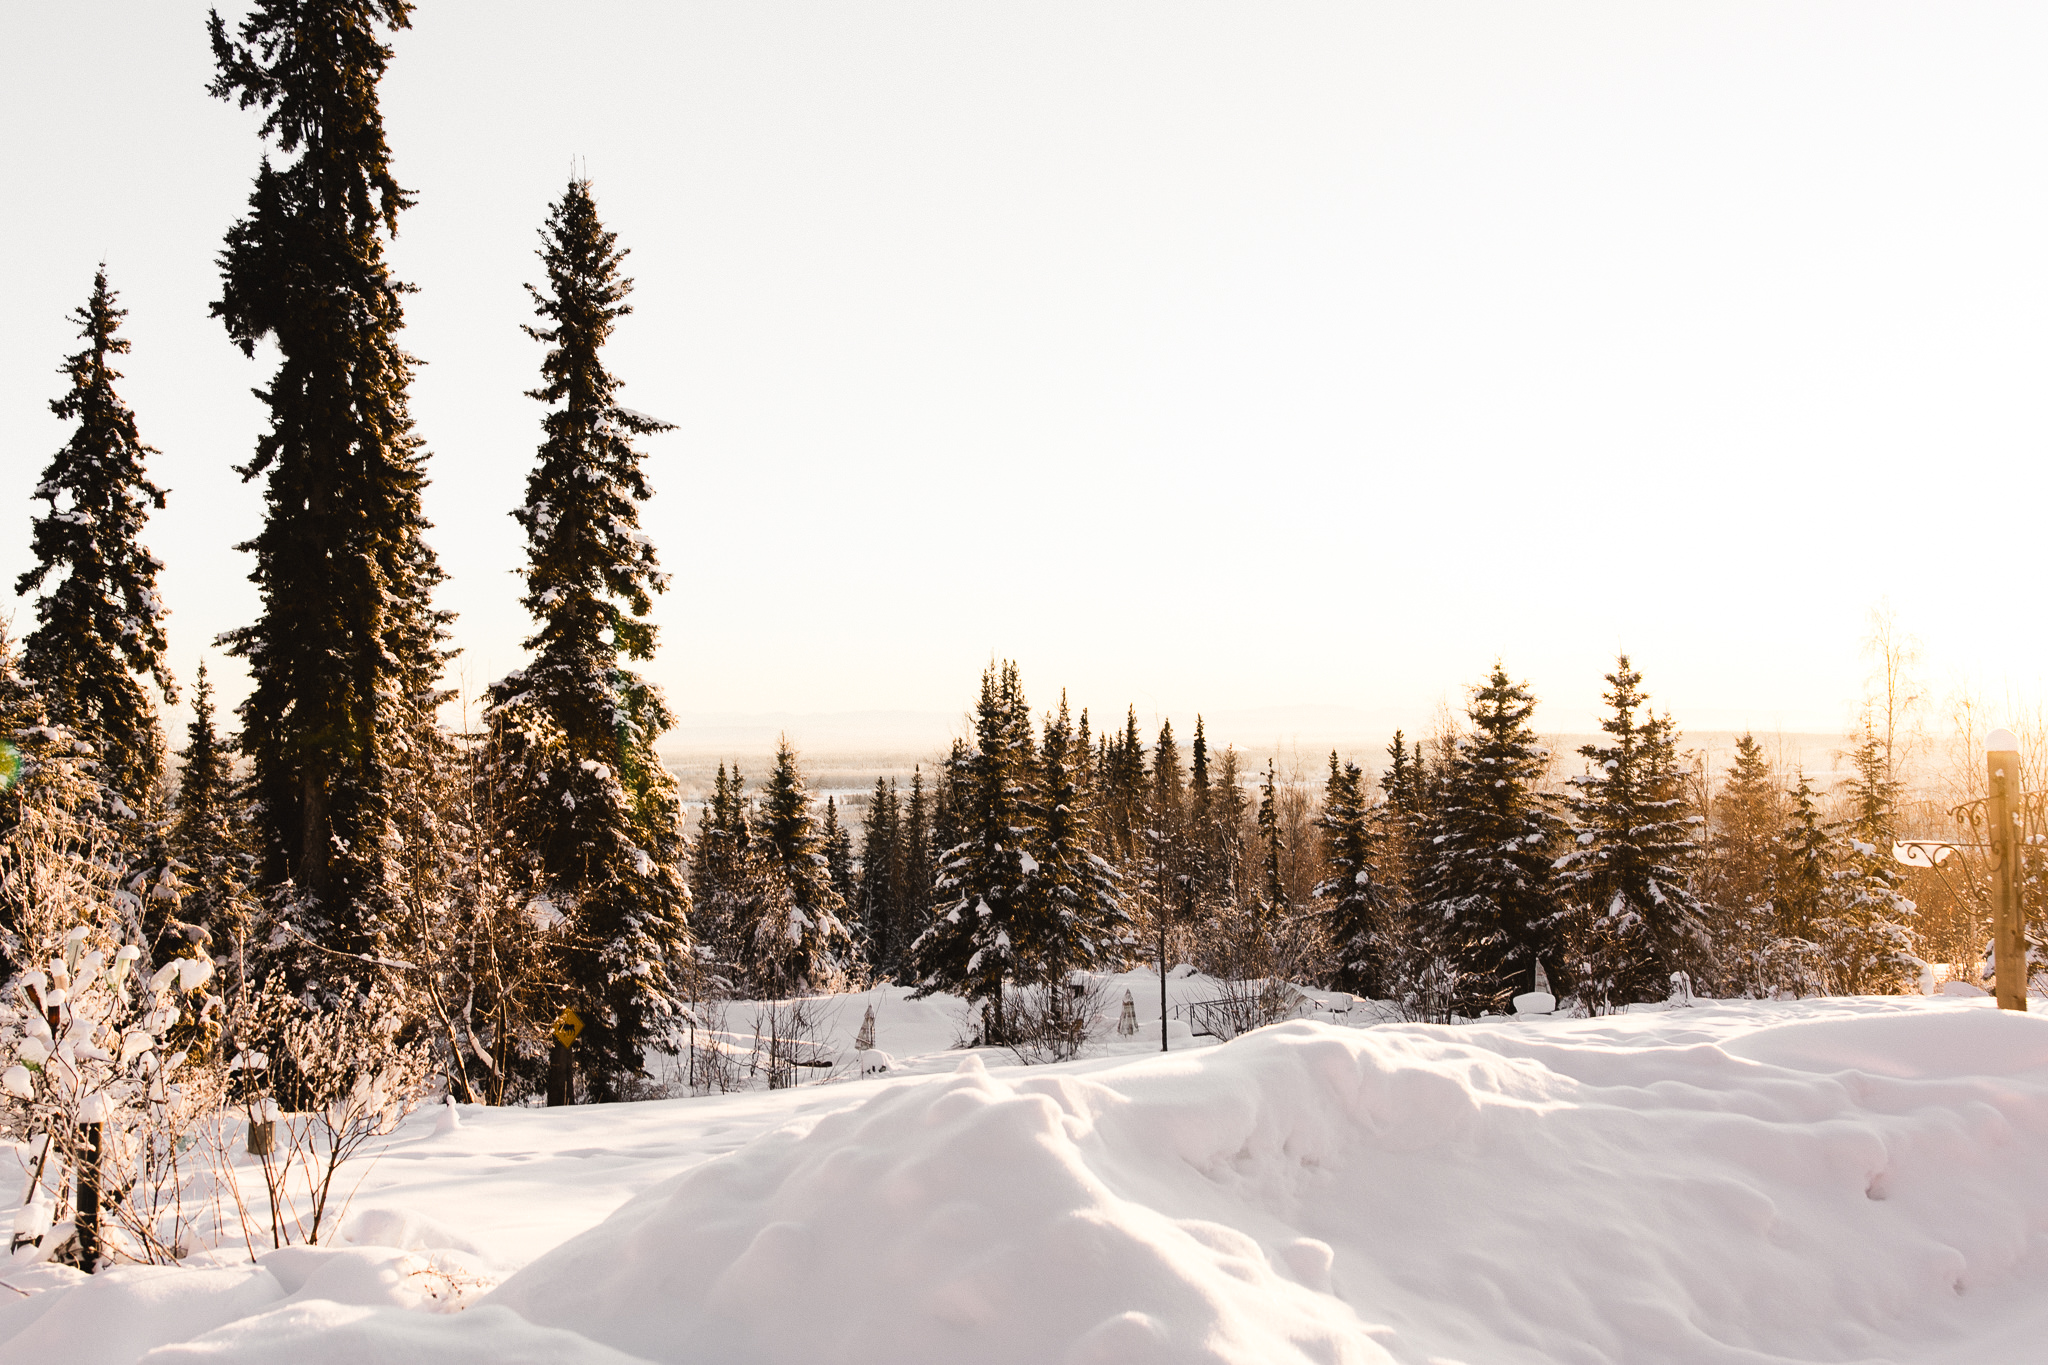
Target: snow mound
114,1316
1822,1180
1976,1042
326,1333
1600,1191
1007,1218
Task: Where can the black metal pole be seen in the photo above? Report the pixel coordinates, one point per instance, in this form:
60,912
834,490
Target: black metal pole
1162,980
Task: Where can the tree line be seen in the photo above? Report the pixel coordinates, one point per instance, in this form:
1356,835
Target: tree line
1470,869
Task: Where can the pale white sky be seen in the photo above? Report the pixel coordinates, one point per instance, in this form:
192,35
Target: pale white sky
1195,355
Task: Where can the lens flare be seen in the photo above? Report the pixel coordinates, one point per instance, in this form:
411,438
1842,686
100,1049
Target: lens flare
10,765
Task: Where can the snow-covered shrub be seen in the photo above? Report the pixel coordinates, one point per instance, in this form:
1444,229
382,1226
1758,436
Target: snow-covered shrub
1053,1023
787,1041
332,1081
710,1064
1428,988
104,1096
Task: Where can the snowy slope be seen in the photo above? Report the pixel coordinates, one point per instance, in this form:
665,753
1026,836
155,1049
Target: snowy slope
1833,1180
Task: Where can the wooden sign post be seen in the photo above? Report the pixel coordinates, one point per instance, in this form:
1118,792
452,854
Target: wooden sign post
2002,814
559,1076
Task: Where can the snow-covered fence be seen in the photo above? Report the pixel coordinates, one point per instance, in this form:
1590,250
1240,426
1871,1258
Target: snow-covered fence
1242,1007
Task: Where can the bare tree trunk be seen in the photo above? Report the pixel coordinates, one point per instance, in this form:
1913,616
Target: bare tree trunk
89,1198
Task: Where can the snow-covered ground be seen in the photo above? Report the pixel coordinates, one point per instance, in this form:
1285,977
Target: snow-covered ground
1826,1180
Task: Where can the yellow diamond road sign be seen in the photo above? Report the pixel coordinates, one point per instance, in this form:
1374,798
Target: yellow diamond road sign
568,1026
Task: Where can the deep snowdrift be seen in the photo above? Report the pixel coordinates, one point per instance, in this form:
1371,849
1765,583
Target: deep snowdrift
1824,1181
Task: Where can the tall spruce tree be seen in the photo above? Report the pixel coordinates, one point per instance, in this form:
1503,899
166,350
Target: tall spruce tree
1358,903
920,866
1075,918
100,625
1228,806
1404,785
1125,798
839,864
573,733
1802,896
883,879
1747,814
1630,876
972,946
346,655
1742,847
949,805
1485,892
1275,897
1867,939
1170,875
728,876
1402,778
206,843
803,939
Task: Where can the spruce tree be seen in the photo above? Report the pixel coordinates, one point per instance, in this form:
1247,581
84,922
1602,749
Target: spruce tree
1075,919
949,802
1747,815
1802,895
882,881
1742,848
1403,785
1230,807
801,937
1630,875
839,865
1399,781
1125,798
1169,778
1357,901
919,866
1867,938
573,733
1209,852
100,624
1269,835
1485,892
972,946
1171,877
727,875
206,843
345,657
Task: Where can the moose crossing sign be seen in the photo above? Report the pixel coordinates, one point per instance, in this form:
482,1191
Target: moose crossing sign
568,1026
